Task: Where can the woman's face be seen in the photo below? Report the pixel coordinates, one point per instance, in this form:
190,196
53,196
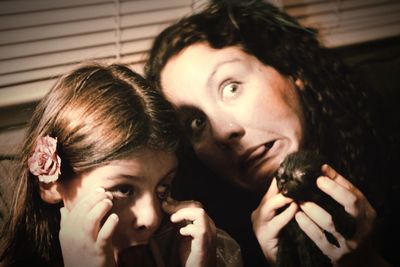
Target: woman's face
241,116
138,184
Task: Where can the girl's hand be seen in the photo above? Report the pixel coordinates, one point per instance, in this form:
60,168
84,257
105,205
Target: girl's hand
314,220
267,223
84,241
198,245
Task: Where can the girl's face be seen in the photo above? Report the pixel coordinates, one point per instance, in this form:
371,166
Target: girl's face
241,116
138,184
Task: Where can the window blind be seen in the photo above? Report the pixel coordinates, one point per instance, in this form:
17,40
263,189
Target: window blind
347,22
41,39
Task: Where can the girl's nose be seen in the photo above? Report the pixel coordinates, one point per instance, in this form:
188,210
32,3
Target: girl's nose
148,212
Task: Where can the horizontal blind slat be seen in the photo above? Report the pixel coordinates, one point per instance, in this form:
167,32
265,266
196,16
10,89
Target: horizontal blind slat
32,75
56,16
55,59
362,35
150,5
137,46
348,21
141,32
24,93
56,30
319,20
23,6
360,23
335,6
56,45
153,17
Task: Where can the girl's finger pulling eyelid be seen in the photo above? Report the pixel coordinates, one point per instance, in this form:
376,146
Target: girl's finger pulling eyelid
106,191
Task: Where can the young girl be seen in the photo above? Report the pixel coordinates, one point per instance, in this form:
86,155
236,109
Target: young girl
94,177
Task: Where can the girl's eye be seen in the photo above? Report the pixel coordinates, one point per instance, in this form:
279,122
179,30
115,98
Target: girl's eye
230,91
163,191
121,191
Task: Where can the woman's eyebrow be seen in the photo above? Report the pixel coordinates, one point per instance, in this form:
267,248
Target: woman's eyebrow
218,66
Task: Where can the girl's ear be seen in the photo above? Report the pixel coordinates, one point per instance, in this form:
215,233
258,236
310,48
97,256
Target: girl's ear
50,192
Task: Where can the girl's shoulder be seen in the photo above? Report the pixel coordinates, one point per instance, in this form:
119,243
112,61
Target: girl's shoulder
228,250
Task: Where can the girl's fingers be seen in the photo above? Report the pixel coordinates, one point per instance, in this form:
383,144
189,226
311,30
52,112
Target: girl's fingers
95,215
170,205
83,207
107,230
64,215
197,215
191,230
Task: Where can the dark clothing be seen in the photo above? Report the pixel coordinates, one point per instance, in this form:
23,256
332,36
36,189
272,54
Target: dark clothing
231,207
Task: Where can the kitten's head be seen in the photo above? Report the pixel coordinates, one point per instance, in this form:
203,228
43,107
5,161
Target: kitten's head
297,174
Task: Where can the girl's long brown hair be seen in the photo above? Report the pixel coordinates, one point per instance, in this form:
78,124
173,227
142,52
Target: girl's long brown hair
98,114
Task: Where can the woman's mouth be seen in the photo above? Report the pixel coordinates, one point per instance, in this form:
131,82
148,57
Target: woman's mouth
253,155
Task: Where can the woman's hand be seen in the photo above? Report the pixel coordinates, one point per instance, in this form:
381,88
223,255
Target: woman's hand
198,245
267,223
314,220
84,241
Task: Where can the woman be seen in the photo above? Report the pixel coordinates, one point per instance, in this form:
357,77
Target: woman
251,85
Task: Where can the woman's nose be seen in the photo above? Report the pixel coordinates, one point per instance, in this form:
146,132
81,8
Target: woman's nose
227,131
148,212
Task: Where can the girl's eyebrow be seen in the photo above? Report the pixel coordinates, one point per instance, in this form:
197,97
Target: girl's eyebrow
125,177
140,178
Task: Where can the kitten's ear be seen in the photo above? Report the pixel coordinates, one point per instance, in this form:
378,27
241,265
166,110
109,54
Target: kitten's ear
299,84
50,192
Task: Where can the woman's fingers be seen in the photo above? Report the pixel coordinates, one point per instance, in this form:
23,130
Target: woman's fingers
272,190
348,199
318,236
318,215
268,210
276,224
334,175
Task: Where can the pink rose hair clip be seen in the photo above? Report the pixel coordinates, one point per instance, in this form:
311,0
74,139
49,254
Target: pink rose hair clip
45,163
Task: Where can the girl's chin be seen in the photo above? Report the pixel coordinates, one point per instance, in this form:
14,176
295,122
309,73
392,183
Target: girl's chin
132,245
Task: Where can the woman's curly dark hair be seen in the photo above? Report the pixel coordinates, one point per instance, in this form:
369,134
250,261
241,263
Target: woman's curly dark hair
337,112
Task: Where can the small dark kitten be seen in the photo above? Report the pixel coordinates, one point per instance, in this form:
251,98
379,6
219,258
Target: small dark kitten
296,178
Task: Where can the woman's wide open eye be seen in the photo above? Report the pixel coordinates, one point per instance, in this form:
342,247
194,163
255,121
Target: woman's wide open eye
230,90
194,123
197,123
